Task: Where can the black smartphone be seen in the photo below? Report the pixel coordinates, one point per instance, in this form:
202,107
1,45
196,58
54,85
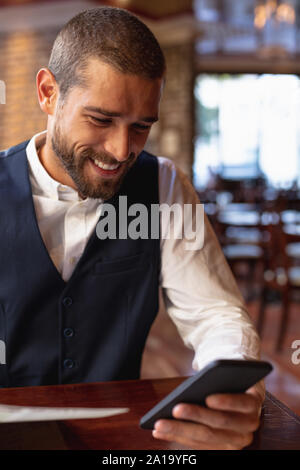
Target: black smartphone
219,376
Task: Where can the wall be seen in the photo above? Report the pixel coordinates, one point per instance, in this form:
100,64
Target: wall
22,54
173,135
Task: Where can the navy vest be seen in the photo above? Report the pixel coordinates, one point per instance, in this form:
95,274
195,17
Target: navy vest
93,327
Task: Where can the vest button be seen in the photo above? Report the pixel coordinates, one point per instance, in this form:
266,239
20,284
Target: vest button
68,332
69,363
67,301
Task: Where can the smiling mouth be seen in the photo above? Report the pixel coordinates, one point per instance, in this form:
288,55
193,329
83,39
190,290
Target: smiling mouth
105,169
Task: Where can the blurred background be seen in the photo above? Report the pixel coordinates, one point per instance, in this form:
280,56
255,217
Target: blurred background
230,119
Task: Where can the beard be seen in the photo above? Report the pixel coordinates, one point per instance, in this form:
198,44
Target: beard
74,164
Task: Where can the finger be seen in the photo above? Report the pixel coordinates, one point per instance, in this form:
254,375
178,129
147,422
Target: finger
258,393
238,422
192,434
236,402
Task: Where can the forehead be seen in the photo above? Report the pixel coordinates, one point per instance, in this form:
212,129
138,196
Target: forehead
109,88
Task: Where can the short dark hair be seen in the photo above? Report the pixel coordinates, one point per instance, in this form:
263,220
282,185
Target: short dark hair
110,34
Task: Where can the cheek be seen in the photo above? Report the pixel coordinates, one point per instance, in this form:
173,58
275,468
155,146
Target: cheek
87,135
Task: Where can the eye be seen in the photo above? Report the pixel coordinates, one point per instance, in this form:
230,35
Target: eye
100,121
141,127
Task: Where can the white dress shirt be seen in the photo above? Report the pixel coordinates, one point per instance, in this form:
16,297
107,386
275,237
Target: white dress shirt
200,293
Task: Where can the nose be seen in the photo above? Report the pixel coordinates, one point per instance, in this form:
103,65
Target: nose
118,143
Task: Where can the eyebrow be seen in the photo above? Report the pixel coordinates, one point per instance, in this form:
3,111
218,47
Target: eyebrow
107,113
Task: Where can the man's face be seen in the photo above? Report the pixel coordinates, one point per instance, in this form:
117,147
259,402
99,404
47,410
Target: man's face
100,130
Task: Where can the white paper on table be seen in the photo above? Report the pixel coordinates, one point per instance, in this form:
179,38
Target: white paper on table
14,413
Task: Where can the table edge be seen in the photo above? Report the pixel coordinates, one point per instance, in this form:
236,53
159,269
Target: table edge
279,404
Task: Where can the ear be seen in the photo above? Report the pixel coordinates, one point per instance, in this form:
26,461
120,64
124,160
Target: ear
47,90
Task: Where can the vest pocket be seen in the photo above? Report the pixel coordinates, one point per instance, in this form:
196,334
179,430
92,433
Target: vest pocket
116,266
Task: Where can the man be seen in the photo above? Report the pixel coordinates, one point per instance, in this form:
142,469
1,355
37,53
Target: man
77,308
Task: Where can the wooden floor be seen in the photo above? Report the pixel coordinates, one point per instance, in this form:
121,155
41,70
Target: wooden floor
165,354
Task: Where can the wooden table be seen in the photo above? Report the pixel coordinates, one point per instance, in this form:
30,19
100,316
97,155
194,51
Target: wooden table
280,427
290,217
292,230
239,218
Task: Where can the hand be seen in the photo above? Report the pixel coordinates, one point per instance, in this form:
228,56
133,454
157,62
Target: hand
227,423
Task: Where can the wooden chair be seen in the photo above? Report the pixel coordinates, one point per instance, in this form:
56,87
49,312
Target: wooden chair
240,238
281,274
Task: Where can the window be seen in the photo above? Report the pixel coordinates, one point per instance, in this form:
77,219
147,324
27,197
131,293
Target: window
248,124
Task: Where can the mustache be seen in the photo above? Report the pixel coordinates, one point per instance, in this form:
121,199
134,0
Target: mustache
104,157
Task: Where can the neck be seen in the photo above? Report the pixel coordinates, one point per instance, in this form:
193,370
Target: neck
53,166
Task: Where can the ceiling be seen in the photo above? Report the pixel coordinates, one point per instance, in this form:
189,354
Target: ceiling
258,30
154,9
6,3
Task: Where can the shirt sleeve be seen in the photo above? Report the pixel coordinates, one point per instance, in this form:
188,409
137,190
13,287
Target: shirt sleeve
199,290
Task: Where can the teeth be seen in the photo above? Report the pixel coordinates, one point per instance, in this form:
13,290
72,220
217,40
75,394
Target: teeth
104,166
